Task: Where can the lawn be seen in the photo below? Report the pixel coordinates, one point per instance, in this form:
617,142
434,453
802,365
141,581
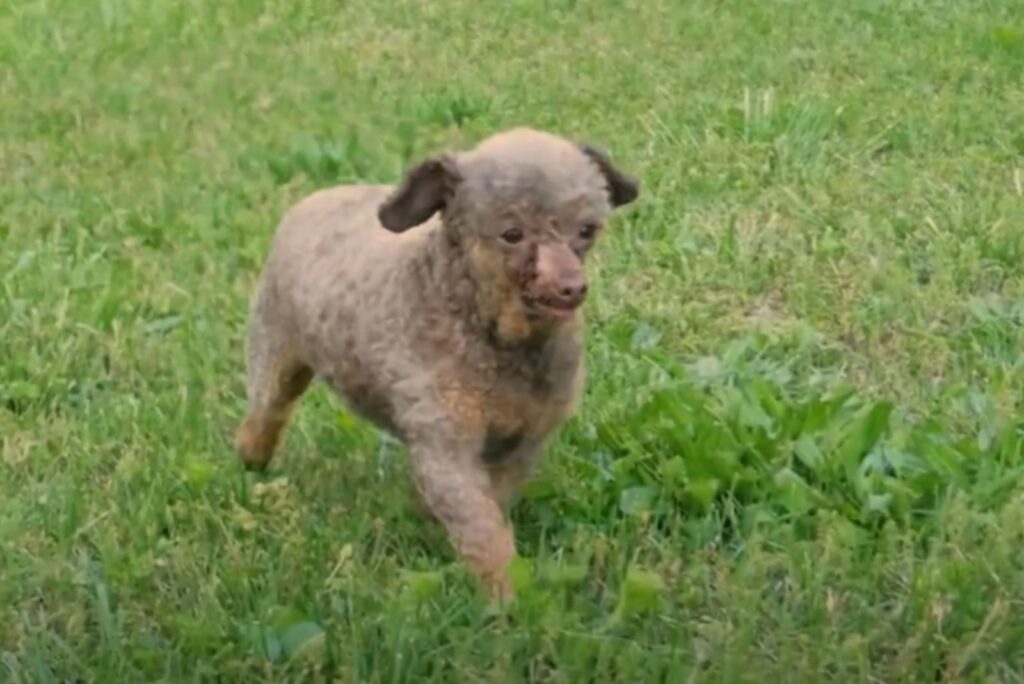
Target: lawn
801,451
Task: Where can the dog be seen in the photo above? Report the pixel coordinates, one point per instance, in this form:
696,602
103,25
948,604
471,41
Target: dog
446,311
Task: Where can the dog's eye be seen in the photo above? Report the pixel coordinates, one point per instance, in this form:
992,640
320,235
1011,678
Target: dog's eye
588,231
512,236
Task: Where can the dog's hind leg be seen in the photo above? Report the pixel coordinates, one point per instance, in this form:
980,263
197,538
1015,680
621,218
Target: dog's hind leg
276,380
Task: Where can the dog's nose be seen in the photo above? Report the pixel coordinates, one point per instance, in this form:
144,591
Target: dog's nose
573,289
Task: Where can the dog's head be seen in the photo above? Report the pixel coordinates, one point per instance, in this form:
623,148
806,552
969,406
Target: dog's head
525,207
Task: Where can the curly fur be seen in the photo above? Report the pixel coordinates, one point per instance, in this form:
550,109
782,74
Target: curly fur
406,302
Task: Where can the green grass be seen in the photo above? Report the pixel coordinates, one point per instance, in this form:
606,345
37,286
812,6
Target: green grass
800,455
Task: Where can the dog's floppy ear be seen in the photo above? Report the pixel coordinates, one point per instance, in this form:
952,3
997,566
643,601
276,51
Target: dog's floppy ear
426,188
622,188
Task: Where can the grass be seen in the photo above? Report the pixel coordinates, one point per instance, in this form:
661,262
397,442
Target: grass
800,454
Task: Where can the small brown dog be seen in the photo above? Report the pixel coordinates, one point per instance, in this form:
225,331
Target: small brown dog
446,312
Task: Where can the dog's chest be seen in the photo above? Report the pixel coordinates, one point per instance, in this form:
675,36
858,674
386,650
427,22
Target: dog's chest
514,427
521,412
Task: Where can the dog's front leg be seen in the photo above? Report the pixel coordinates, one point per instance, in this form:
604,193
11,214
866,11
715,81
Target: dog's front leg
457,491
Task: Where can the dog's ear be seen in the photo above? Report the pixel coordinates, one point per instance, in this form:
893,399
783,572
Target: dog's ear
622,188
426,188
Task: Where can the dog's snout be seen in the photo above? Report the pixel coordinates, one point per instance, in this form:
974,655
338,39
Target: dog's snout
560,276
